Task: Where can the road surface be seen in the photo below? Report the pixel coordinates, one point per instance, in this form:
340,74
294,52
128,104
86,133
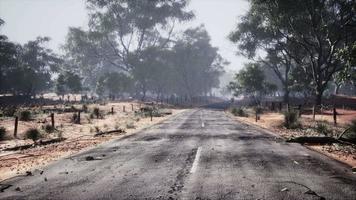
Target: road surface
197,154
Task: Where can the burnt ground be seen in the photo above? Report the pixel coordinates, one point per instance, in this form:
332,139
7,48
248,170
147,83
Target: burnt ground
197,154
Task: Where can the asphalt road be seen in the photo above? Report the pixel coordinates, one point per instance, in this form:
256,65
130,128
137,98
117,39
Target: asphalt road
197,154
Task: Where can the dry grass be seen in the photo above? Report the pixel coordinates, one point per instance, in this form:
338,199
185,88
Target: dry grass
273,121
79,136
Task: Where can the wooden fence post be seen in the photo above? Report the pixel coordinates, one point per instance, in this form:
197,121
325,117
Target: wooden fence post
78,119
151,114
112,110
335,115
52,120
314,113
16,125
132,108
123,109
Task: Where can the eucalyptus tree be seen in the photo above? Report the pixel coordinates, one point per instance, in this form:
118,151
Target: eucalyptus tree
119,29
251,81
317,29
196,63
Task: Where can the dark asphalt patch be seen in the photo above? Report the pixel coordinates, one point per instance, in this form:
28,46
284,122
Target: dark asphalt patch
149,138
4,187
178,185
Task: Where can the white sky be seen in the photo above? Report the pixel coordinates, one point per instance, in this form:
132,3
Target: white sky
27,19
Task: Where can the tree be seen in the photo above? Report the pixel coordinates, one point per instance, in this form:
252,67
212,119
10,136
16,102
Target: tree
114,84
61,87
68,82
250,81
119,29
317,29
197,65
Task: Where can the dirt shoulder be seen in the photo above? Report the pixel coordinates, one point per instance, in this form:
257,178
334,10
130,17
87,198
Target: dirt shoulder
273,122
79,137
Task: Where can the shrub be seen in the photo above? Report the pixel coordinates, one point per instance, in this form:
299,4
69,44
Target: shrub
97,113
85,108
49,128
351,131
291,120
2,133
25,115
74,118
130,125
33,134
9,111
322,128
239,112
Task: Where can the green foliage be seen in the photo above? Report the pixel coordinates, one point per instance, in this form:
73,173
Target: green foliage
298,34
239,112
351,133
114,83
33,134
322,128
251,81
68,82
291,120
2,133
9,111
25,115
29,67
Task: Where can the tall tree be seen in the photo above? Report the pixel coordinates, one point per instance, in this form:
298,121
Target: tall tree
250,81
318,29
120,28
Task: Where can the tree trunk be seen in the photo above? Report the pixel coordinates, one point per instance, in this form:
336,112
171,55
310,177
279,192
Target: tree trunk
318,98
286,96
337,88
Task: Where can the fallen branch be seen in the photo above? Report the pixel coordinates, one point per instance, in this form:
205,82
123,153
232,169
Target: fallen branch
109,132
40,143
313,140
343,133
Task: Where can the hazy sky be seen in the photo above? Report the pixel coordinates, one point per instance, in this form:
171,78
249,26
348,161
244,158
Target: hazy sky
27,19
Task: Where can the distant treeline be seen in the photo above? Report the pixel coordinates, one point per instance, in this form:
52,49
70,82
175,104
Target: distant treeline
130,48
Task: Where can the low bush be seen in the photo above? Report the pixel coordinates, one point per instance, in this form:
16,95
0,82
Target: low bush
48,128
96,113
351,132
130,125
74,118
85,108
291,120
2,133
9,111
239,112
322,128
33,134
25,115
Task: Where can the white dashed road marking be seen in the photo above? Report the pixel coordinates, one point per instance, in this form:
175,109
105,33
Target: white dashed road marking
196,161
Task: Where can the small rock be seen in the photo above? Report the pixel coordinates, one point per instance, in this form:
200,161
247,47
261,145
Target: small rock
89,158
45,179
41,172
28,173
353,169
18,189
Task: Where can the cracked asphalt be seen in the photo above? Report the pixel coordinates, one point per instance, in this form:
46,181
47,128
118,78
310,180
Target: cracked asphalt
197,154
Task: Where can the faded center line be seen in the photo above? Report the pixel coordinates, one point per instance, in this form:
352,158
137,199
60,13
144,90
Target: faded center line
196,161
